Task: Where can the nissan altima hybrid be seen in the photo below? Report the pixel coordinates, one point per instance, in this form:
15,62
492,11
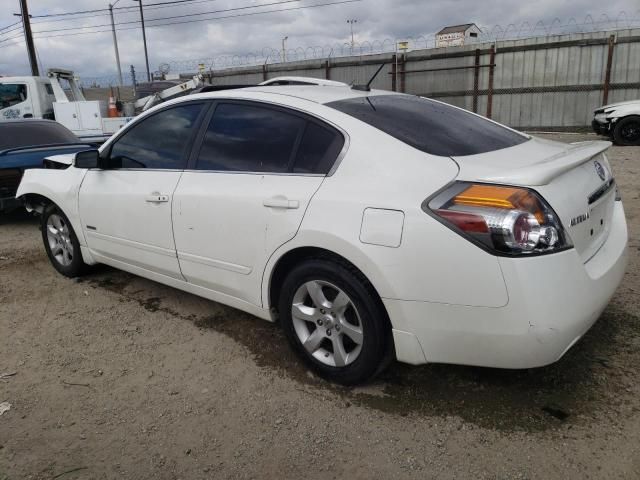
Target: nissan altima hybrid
371,225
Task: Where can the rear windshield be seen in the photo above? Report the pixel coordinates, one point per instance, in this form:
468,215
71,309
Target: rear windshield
433,127
27,134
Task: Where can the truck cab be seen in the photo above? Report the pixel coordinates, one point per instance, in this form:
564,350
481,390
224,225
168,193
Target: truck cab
26,97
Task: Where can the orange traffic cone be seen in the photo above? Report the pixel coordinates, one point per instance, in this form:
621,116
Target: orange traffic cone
113,111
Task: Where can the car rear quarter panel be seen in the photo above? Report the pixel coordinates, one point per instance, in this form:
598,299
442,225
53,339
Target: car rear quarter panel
432,263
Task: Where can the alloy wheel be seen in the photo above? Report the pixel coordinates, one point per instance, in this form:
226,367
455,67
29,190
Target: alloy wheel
327,323
59,239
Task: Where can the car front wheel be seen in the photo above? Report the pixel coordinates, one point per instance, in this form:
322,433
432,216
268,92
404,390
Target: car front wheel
334,319
627,131
61,242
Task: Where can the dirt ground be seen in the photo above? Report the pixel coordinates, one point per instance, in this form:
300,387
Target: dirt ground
120,377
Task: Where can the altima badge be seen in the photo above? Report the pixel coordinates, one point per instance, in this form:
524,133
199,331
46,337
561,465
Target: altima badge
580,218
602,173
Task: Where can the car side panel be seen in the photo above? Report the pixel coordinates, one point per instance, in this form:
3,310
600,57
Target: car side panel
431,262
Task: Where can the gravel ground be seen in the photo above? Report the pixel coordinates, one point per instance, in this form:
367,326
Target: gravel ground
120,377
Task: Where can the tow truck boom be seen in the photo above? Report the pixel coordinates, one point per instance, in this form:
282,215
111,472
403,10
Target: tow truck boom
149,101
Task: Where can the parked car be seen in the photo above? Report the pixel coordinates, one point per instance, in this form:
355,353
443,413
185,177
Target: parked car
619,121
24,144
371,224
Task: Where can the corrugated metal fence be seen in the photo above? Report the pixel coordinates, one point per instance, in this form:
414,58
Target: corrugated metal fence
552,82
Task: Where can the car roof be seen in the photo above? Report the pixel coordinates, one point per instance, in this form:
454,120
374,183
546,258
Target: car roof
302,81
321,94
31,121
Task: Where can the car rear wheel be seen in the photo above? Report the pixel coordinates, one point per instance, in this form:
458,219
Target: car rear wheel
61,242
627,131
334,319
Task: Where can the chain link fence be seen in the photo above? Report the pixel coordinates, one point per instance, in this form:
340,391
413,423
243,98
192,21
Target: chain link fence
544,83
273,56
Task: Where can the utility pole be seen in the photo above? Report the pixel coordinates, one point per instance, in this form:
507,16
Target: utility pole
115,41
284,49
351,22
144,39
31,49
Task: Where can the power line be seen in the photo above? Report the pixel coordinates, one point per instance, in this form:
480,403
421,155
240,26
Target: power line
70,13
129,10
190,21
78,12
12,30
9,26
11,38
210,19
281,2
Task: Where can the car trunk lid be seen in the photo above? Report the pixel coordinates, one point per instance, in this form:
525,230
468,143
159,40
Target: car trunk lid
575,179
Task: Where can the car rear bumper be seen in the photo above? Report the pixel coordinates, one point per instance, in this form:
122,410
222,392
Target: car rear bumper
553,301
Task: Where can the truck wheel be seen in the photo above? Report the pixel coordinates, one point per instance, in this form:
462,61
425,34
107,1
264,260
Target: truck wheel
627,131
61,242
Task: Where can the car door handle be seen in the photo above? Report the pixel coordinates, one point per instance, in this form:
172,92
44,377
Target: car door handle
157,198
281,202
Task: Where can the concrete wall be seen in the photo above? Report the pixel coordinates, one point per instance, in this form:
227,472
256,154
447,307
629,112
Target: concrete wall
545,82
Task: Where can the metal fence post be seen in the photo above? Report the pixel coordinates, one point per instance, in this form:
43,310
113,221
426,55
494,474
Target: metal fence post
607,75
476,78
264,72
403,73
393,74
327,70
492,61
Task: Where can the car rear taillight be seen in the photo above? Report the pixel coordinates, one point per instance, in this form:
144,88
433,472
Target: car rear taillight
502,219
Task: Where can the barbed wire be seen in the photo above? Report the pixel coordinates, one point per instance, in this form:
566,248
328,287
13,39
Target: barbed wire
270,56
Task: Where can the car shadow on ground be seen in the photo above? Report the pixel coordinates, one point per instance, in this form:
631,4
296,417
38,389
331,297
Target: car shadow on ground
17,217
590,381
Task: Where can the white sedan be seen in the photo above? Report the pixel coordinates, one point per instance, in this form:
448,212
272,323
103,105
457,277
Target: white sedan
371,225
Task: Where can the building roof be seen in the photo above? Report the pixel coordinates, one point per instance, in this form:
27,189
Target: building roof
456,28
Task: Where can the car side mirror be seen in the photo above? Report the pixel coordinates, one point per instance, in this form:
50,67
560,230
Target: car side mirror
87,159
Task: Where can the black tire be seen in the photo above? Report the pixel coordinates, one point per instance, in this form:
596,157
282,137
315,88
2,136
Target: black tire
76,266
627,131
376,347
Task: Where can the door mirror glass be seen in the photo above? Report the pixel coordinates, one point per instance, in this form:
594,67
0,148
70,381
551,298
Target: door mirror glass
87,159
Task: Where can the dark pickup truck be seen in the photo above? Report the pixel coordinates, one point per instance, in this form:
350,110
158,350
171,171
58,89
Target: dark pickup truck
24,144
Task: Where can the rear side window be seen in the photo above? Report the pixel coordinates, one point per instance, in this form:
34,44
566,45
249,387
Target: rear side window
248,138
158,141
255,138
433,127
318,150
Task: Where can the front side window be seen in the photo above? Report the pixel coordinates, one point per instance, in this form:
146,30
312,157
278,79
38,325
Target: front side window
12,94
433,127
158,141
248,138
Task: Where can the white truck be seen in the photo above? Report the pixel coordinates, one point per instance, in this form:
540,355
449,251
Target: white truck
44,97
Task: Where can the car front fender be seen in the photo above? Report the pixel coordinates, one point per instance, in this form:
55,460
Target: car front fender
60,187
